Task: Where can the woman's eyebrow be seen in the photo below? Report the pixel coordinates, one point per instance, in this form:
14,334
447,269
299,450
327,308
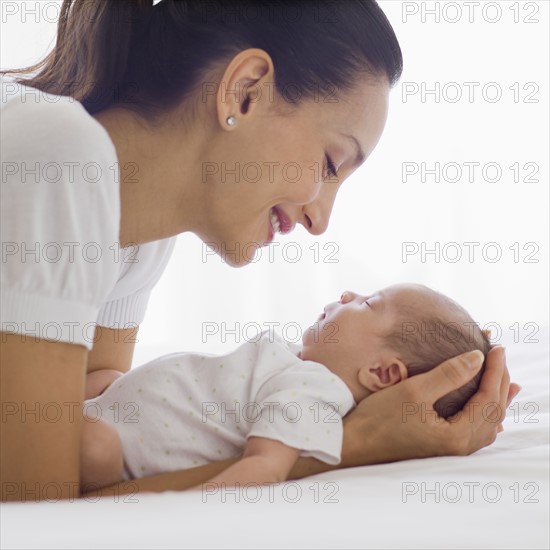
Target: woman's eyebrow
360,155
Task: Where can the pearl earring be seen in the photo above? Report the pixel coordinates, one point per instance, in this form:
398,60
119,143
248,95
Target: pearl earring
231,120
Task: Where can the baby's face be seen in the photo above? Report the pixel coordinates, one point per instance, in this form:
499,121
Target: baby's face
352,330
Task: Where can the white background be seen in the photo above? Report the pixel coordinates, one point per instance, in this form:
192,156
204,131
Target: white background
377,211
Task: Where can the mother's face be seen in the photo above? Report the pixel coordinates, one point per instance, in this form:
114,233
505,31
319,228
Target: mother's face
273,170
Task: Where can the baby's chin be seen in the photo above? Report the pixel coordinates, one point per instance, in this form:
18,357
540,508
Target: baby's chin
310,344
304,355
311,334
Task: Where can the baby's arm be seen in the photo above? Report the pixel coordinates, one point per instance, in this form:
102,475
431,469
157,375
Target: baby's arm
98,381
264,461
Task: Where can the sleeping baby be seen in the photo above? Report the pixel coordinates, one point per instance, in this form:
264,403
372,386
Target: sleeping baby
271,401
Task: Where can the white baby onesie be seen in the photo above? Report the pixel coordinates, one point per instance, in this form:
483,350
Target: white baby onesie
187,409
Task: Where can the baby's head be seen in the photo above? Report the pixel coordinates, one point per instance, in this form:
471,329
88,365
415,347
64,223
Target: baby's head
375,341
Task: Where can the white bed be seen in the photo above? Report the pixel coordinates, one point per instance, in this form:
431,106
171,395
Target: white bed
374,506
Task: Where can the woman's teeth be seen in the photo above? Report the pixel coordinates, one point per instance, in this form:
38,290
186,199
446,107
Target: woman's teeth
275,223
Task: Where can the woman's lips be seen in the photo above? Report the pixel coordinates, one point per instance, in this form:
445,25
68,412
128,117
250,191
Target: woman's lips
279,222
274,220
285,223
270,233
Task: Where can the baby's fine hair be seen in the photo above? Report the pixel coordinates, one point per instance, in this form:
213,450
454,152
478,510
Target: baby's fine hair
425,340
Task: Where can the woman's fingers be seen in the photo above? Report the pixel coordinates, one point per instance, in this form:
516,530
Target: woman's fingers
495,383
486,409
504,385
512,392
446,377
496,363
495,376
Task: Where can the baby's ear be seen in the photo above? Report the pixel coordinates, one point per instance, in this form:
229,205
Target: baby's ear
382,375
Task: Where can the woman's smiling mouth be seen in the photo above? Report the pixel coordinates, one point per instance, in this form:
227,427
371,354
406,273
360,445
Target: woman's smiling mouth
275,222
279,222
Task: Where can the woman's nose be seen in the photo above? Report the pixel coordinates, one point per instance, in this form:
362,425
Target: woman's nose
316,214
314,220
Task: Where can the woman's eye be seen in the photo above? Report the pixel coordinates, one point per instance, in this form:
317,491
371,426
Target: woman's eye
330,167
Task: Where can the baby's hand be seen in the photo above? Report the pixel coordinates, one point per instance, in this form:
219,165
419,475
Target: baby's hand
98,381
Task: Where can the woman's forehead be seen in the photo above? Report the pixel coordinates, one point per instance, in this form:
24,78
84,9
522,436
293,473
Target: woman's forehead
361,113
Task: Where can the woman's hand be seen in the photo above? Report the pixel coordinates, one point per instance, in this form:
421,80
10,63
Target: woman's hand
400,422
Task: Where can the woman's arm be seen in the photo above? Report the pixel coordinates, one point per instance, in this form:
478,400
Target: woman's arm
42,388
396,424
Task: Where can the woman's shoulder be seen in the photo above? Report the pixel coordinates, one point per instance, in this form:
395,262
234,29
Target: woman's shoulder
31,116
60,199
54,154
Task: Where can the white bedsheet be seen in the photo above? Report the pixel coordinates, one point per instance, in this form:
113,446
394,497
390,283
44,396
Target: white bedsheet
496,498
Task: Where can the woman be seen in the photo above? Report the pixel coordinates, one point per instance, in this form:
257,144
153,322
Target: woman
147,117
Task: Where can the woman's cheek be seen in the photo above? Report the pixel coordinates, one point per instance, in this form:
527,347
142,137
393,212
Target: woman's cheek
306,189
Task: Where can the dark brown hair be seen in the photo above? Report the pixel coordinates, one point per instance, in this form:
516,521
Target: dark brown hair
424,341
151,57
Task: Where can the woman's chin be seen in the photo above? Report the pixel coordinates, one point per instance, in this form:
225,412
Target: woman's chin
234,261
237,255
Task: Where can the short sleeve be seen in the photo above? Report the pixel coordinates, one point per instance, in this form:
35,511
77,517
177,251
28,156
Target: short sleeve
60,210
303,407
140,268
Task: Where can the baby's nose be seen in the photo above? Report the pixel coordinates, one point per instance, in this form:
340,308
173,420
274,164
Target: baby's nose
347,296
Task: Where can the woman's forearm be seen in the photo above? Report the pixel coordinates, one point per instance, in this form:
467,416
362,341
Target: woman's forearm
251,469
355,452
178,480
306,467
181,480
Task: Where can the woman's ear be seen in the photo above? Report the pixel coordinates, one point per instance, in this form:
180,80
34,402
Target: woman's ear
382,375
241,85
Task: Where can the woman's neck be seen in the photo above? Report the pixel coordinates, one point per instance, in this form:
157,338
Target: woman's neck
154,205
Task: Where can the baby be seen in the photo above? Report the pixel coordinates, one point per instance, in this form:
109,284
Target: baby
272,401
